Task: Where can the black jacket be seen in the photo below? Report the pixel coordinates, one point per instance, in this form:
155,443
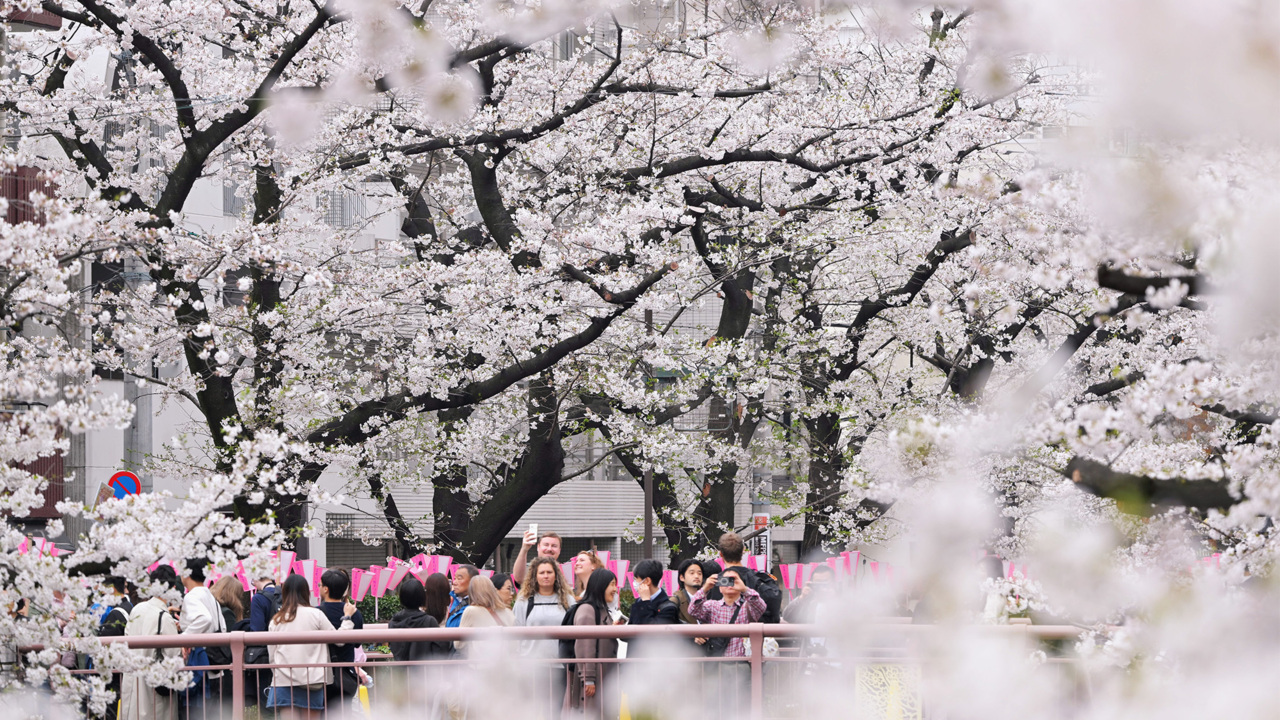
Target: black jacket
660,609
333,611
426,650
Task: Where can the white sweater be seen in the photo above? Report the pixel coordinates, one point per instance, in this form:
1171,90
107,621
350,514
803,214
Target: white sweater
308,618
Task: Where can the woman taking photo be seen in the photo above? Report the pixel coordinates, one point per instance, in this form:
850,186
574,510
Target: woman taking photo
485,610
298,691
543,601
588,679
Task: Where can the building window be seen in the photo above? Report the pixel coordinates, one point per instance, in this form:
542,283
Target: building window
342,209
232,203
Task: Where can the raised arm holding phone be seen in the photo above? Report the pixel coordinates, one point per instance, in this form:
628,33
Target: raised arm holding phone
548,546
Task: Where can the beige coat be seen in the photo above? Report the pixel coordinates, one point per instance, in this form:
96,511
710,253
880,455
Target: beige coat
307,618
478,617
138,700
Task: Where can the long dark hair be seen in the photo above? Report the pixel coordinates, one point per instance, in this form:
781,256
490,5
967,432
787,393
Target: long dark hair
295,593
597,584
437,604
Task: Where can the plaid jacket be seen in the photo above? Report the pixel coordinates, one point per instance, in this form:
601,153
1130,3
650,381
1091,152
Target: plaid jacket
718,612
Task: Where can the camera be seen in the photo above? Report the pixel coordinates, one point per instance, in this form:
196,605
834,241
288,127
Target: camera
725,581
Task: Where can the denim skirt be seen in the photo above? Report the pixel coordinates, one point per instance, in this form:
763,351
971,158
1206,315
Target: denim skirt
295,696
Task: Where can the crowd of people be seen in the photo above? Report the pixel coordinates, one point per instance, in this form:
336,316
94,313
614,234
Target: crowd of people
305,680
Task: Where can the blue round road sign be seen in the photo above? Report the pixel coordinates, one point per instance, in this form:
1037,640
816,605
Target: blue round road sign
124,483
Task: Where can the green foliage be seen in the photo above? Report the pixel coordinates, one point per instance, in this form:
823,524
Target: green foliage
386,606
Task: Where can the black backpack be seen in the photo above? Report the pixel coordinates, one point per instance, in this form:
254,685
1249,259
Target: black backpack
257,654
769,591
566,651
566,647
219,654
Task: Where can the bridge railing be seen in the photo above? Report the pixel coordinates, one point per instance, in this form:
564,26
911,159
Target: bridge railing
759,685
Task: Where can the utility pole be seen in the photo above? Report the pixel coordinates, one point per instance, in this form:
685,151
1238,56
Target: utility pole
648,473
137,437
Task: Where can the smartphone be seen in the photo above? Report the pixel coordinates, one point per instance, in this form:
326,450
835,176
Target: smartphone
725,581
533,529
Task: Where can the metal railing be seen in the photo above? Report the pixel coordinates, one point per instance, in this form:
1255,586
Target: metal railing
897,651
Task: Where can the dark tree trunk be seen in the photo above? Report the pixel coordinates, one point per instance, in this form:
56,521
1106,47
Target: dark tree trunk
826,462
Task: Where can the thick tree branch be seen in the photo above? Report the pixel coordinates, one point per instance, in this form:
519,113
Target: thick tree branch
1113,279
1141,495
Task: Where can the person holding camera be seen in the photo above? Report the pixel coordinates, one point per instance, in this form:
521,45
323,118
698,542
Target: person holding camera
738,604
816,605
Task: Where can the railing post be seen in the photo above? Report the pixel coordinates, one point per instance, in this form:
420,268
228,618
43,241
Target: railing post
237,675
757,671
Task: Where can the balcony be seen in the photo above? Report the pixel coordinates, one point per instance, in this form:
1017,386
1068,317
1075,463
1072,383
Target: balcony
16,187
51,469
30,19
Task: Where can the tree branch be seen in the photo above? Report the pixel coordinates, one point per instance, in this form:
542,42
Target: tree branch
1141,495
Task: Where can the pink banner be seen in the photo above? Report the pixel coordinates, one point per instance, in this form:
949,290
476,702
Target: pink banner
418,565
441,563
308,570
359,586
383,582
398,574
284,560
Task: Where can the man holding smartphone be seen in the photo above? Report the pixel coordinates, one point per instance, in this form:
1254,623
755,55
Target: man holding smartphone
548,546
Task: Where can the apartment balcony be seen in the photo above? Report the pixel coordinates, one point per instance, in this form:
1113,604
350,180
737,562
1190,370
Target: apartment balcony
16,187
51,469
24,20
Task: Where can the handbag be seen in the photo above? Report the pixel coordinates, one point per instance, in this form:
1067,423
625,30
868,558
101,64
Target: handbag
717,646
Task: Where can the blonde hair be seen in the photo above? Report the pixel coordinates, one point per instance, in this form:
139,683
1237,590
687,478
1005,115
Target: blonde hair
484,595
230,594
580,584
560,589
